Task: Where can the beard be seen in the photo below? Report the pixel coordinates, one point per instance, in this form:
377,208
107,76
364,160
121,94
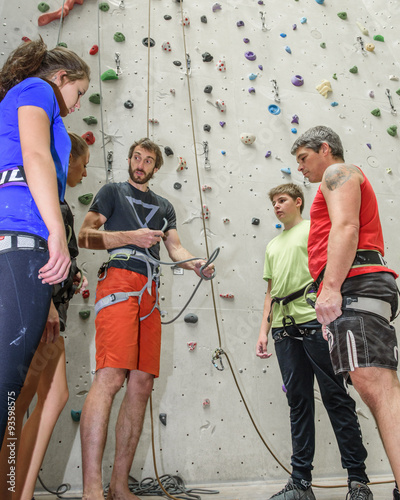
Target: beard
141,179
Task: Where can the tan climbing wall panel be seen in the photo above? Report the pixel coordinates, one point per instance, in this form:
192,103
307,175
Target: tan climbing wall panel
217,443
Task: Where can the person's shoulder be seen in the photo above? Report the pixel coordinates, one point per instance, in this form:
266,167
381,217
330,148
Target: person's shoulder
338,174
35,83
162,199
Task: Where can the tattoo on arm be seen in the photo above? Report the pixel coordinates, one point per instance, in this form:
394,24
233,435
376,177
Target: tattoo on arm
339,175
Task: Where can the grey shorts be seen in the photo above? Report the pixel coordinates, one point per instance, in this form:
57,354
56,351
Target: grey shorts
362,339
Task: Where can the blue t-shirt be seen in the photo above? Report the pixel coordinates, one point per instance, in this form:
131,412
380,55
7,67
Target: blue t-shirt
18,210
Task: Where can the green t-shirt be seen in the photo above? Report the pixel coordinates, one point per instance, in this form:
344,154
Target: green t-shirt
286,265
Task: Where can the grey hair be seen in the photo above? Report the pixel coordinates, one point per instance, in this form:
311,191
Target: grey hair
315,136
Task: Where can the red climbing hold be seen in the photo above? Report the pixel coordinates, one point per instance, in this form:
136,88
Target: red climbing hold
89,138
94,50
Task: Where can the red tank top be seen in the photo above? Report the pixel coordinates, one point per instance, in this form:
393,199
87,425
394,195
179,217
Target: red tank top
370,234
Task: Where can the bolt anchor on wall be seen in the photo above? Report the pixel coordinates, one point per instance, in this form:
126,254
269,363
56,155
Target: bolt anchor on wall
393,109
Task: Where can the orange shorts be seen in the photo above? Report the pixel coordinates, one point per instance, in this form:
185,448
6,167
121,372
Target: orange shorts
122,341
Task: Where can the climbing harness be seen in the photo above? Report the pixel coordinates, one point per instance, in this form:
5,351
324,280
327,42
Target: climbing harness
14,241
14,176
369,305
153,272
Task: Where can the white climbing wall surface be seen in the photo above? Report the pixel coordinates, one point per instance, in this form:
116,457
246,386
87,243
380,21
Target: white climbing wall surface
270,68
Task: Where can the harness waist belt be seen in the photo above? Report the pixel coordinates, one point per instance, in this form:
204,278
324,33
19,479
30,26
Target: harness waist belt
114,298
11,242
369,305
13,176
367,258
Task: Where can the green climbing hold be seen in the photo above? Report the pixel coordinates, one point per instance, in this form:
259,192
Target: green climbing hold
43,7
62,44
376,112
84,314
379,38
110,74
95,98
398,92
342,15
334,76
392,130
119,37
353,70
85,199
104,6
322,45
76,415
90,120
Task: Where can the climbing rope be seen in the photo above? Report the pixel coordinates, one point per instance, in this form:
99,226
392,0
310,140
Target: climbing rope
60,23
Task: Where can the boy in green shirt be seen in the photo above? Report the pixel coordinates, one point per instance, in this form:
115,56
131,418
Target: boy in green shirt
303,353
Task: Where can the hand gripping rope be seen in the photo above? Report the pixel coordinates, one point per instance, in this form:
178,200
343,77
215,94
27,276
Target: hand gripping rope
152,275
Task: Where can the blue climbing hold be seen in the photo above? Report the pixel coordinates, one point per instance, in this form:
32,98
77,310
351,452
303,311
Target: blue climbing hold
288,49
274,109
286,170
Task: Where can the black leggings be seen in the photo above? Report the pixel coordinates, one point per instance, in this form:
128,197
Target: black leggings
24,307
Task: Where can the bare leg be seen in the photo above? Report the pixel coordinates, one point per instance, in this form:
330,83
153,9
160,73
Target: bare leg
39,362
94,425
128,430
52,394
380,390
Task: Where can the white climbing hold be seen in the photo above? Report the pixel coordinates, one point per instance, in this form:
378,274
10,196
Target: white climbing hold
247,138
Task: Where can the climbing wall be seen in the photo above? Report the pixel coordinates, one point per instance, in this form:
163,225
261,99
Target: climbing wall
226,87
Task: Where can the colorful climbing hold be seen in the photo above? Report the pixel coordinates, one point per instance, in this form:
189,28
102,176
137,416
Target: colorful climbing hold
62,44
146,41
324,88
253,76
295,119
221,65
297,80
376,112
303,20
286,170
379,38
191,318
392,130
322,45
43,7
268,154
370,47
207,57
294,130
166,46
246,40
353,70
119,37
86,294
216,7
247,138
110,74
84,314
94,50
89,138
222,124
104,6
90,120
288,49
334,76
334,104
86,199
342,15
76,415
252,90
240,24
274,109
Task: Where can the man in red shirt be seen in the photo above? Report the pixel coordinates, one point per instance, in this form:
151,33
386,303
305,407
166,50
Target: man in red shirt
357,293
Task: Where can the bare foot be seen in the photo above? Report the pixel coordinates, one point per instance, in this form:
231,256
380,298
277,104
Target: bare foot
120,493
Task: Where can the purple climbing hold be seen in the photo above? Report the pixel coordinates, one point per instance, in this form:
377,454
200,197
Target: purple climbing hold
295,119
268,154
297,80
222,124
250,56
260,67
216,6
252,90
294,26
369,145
246,40
260,2
239,24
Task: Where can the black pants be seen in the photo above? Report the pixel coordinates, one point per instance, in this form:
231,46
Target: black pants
24,307
299,362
